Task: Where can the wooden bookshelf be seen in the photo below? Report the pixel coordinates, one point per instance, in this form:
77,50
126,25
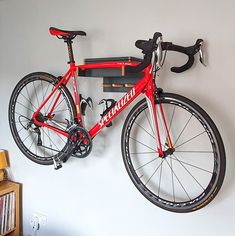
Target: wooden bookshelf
8,187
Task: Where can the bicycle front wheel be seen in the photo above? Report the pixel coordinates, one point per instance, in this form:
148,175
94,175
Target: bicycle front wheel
190,177
41,144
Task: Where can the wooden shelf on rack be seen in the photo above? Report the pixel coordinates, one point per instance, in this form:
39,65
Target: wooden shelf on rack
8,187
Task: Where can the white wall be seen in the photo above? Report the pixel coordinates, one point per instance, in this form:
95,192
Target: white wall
94,196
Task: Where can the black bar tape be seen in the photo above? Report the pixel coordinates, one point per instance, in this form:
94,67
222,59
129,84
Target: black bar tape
148,47
185,67
189,51
140,44
140,66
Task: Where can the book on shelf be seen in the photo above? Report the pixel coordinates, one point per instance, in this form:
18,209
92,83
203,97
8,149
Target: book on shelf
1,206
7,212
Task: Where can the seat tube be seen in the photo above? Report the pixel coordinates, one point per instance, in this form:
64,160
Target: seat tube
74,70
70,50
149,94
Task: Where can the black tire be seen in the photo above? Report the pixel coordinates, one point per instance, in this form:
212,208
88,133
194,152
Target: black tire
25,100
172,182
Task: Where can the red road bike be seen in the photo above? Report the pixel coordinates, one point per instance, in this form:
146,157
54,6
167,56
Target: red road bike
171,148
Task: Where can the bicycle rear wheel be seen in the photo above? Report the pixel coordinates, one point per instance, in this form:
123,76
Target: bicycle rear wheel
186,180
38,143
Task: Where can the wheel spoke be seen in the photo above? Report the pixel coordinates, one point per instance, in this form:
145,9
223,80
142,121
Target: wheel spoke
33,107
154,172
190,139
60,110
195,151
172,181
146,163
17,113
25,107
183,130
142,144
145,130
20,129
44,150
186,163
159,184
178,180
36,93
51,141
32,142
26,138
43,96
137,153
52,99
17,122
60,138
149,122
29,96
189,172
57,105
172,116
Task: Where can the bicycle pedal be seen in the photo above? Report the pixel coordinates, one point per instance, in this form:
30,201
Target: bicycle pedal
57,163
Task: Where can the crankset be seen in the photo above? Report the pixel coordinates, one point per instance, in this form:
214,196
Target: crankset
79,141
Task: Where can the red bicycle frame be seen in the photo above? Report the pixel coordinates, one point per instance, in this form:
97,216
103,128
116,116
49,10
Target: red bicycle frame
145,85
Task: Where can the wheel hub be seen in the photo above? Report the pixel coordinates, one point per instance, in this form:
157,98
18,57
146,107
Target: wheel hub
41,118
168,152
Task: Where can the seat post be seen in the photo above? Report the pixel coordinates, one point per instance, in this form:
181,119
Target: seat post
70,49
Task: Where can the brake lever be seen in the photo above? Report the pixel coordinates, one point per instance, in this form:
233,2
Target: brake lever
201,54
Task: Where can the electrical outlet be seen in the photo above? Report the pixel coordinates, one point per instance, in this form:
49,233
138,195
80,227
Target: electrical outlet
34,222
42,219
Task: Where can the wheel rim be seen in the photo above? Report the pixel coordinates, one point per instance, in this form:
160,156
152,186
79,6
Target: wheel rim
28,97
162,180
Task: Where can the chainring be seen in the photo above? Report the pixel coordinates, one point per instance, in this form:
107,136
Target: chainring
80,142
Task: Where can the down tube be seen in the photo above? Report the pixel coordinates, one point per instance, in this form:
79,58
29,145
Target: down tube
118,108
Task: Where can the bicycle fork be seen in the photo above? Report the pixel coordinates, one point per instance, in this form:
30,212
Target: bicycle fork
155,118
